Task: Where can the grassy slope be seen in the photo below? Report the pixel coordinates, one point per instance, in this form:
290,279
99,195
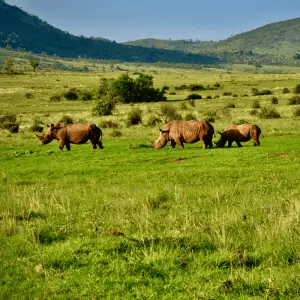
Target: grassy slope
279,38
195,223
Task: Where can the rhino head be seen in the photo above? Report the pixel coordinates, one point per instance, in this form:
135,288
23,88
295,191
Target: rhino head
222,141
49,135
162,140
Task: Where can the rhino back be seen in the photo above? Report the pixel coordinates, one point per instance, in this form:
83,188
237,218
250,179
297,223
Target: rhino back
189,131
77,133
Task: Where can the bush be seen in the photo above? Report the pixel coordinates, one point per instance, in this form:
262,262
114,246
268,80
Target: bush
234,95
9,122
134,117
297,89
296,112
217,85
153,121
257,92
240,122
269,113
255,104
208,97
116,133
274,100
192,102
71,94
55,98
181,87
189,117
193,97
196,87
216,96
253,112
211,115
294,100
129,90
37,125
183,106
230,105
227,93
86,96
29,96
285,90
104,106
66,119
109,124
169,112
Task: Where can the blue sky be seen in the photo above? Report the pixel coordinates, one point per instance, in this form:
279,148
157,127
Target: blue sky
127,20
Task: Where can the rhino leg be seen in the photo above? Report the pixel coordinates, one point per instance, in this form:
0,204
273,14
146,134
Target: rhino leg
239,144
100,145
94,146
179,143
62,144
230,143
256,142
173,144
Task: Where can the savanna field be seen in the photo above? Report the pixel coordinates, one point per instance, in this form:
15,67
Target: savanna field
133,222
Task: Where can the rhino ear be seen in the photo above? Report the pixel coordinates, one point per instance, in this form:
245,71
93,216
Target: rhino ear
48,125
163,131
219,132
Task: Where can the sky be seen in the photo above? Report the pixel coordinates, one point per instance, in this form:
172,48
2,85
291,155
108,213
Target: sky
129,20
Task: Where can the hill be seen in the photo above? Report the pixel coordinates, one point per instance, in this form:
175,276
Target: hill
20,30
279,38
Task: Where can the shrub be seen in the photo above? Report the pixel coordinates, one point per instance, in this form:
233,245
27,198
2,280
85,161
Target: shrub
297,89
181,87
191,102
189,117
109,124
294,100
208,97
169,112
285,90
134,117
257,92
37,125
227,93
183,106
255,104
274,100
217,85
196,87
9,122
253,112
55,98
245,95
104,106
86,96
29,96
296,112
230,105
129,90
269,113
172,93
234,95
153,121
216,96
71,94
211,115
116,133
193,97
66,119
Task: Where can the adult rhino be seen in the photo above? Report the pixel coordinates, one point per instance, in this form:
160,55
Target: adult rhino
179,132
68,134
238,134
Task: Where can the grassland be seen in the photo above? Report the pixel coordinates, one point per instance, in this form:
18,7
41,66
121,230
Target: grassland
130,221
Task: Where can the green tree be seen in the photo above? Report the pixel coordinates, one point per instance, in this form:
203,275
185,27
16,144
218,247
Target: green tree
34,64
9,63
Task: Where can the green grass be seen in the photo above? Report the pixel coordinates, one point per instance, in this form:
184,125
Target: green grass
130,221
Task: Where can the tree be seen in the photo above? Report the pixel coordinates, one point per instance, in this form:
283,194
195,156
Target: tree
34,64
9,63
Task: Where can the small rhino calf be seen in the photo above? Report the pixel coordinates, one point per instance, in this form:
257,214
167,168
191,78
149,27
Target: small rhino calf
238,134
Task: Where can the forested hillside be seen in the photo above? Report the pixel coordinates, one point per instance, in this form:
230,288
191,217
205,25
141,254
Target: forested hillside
20,30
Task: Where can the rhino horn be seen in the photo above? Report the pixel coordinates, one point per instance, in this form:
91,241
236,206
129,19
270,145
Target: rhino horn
152,143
